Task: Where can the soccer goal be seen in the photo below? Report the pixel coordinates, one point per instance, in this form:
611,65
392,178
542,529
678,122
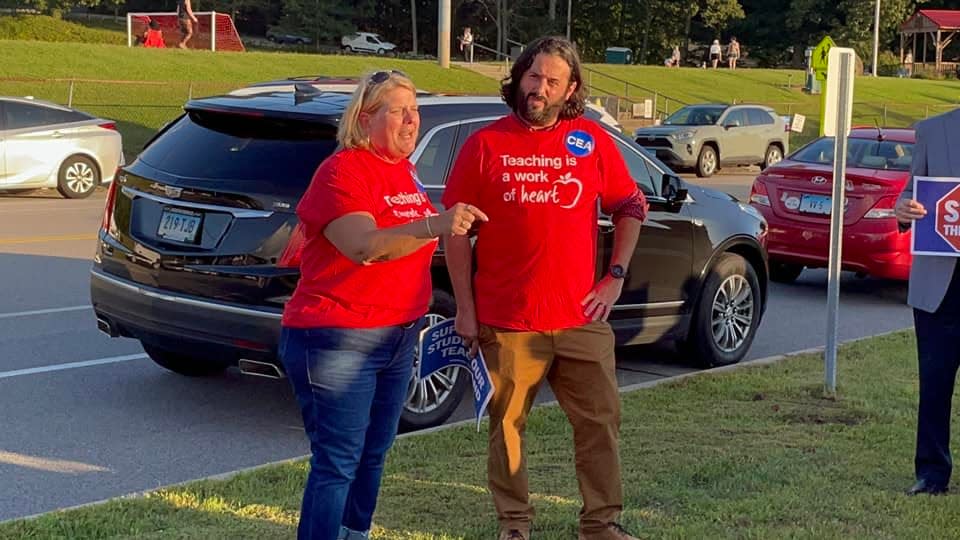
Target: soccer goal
214,31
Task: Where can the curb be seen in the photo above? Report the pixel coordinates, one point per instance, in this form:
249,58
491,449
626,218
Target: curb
471,421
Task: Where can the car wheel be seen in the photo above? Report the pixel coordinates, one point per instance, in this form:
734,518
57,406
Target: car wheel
301,42
190,366
78,177
707,162
772,156
381,52
782,272
727,314
348,49
432,400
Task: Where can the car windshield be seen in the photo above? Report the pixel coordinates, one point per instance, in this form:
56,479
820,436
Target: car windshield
861,153
695,116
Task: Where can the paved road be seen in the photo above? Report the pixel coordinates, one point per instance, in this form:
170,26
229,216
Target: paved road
87,418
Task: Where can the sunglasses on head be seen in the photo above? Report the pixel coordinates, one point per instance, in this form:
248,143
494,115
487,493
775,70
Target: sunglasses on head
382,76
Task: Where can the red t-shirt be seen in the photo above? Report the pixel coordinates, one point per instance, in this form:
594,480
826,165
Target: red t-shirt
536,257
333,290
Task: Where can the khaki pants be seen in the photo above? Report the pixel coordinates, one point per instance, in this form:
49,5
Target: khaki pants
579,365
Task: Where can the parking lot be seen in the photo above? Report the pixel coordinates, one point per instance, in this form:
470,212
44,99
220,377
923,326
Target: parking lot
86,417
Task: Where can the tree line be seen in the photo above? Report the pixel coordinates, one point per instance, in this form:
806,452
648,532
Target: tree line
772,32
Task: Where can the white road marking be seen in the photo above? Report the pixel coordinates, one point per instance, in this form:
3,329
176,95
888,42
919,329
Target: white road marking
43,311
71,365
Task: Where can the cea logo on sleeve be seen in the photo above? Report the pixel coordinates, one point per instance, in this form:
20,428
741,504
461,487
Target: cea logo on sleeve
579,143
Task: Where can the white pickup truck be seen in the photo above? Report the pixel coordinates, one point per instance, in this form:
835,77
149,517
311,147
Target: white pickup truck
366,42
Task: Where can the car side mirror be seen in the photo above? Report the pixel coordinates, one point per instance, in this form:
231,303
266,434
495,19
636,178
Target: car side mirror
673,189
730,126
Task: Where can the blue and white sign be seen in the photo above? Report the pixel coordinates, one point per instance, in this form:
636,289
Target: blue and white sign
579,143
440,348
938,233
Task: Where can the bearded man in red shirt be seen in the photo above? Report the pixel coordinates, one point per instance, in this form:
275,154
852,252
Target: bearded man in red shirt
534,305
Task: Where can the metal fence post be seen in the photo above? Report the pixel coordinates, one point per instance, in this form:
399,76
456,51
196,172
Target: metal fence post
655,98
884,114
70,96
190,91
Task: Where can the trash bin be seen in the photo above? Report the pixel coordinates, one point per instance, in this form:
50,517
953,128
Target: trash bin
619,55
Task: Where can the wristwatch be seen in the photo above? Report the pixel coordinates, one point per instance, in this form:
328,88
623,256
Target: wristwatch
617,271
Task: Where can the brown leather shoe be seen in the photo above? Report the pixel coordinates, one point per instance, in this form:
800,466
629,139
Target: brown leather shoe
614,531
514,534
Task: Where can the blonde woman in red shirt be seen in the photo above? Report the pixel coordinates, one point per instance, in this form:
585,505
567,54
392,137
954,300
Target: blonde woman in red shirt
350,328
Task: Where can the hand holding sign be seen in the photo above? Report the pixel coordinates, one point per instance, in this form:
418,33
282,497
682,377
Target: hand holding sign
909,210
441,348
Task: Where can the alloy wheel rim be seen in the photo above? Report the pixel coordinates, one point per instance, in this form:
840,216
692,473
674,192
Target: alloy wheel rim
80,177
775,157
427,394
709,162
732,314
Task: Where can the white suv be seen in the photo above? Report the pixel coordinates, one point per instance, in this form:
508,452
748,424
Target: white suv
366,42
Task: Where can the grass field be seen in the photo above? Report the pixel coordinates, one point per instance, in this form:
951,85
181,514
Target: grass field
174,75
753,453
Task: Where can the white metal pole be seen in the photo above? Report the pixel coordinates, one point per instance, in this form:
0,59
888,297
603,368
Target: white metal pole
876,37
840,92
129,31
213,31
443,35
569,11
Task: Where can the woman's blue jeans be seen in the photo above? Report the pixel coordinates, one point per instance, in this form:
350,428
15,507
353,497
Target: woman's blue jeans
351,385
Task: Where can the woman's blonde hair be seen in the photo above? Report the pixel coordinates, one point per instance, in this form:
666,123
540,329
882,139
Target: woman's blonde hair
368,97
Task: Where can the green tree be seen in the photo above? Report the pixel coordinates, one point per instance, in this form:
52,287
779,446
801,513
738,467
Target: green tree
718,14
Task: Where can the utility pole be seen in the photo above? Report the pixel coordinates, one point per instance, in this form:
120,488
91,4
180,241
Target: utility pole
569,11
443,35
876,37
413,18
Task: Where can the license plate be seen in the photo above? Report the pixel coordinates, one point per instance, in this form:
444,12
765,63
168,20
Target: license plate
815,204
179,225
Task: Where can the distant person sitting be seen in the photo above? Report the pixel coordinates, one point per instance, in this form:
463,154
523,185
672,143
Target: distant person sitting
153,37
674,60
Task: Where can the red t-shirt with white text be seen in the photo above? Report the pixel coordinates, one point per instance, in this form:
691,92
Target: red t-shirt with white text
536,257
333,290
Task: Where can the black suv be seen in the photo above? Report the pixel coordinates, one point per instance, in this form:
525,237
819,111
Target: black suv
193,258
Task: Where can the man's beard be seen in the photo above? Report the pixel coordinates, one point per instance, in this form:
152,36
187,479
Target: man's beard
544,117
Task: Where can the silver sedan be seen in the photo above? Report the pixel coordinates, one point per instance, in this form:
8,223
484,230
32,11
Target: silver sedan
45,145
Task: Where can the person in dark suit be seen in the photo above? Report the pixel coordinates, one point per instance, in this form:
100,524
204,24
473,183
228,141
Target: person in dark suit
934,294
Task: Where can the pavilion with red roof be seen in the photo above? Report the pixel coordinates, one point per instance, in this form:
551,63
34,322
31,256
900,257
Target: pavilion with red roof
936,25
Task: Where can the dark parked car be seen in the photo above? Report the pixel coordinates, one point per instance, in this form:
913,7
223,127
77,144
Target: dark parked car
197,252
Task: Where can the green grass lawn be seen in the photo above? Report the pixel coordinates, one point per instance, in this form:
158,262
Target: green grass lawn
169,76
174,75
43,28
751,453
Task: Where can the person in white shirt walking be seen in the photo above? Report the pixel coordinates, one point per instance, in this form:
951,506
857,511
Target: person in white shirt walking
466,45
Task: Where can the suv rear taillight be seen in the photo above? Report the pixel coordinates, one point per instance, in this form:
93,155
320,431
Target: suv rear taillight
108,125
107,224
758,193
292,254
883,209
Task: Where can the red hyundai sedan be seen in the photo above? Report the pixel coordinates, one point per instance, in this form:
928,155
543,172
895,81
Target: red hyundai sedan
795,197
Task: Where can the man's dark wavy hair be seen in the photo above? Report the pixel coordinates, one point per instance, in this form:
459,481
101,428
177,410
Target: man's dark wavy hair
548,45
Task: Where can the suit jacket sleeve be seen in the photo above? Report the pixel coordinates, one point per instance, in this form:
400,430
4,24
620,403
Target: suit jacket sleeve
918,166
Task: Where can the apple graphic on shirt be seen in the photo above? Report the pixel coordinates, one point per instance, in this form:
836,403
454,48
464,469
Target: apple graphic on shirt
569,190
